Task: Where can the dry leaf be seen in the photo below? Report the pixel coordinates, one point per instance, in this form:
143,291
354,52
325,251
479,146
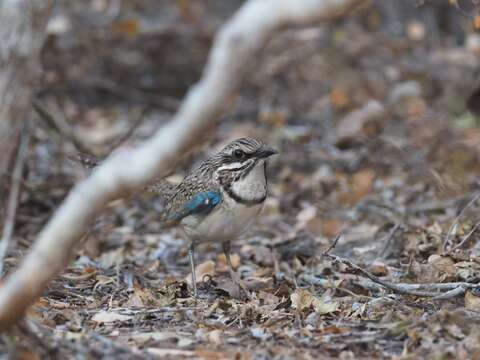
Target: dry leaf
314,225
467,270
476,22
416,108
230,288
202,270
268,298
305,215
362,182
364,122
443,264
324,307
215,337
331,227
222,262
301,299
28,355
174,353
276,118
339,98
258,283
154,335
360,185
103,317
129,28
378,268
472,302
134,301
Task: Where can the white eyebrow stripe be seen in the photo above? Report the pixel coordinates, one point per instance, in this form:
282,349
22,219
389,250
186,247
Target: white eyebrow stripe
232,166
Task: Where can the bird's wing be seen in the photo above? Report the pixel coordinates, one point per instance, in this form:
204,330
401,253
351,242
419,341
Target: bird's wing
200,204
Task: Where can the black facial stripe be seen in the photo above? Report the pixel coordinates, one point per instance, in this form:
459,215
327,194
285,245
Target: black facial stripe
265,172
248,168
248,202
228,177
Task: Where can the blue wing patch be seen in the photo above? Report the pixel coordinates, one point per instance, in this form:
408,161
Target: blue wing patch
200,204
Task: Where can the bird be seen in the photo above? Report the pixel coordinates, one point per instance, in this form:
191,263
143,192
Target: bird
218,200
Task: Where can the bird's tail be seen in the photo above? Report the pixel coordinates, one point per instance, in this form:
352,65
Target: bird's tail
162,187
86,160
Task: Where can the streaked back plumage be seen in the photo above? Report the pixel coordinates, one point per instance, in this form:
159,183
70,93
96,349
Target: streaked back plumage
207,177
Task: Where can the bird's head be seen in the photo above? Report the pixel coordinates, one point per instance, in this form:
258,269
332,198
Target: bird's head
239,157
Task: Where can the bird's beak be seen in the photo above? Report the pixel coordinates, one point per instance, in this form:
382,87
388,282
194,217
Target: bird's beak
266,151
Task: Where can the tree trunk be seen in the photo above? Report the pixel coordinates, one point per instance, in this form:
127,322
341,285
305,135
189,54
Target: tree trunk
22,31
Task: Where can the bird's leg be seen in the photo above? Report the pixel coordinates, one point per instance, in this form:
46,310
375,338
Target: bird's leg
233,274
191,255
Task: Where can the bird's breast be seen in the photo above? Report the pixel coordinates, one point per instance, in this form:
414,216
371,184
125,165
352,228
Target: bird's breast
252,188
241,203
226,222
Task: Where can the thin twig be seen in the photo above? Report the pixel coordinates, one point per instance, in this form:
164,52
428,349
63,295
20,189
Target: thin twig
398,288
459,290
465,238
130,93
116,143
424,290
333,244
129,132
63,128
389,240
13,197
455,222
132,312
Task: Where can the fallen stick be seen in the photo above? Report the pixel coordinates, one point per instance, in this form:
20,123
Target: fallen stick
433,290
235,45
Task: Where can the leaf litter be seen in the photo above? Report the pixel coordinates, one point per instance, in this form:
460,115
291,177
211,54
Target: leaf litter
368,246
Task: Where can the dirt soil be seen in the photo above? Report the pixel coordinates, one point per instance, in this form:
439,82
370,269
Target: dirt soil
378,150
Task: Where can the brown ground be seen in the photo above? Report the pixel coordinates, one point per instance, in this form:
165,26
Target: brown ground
401,188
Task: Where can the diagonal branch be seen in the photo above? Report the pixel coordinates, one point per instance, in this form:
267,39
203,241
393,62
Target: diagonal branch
84,146
235,46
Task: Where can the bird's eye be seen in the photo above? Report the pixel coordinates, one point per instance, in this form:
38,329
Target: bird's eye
238,154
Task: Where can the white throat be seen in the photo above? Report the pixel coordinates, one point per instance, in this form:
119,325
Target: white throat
252,187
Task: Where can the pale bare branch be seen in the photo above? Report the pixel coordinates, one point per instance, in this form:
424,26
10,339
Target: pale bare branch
21,38
9,224
234,47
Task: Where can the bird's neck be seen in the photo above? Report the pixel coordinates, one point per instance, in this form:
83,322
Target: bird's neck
248,190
